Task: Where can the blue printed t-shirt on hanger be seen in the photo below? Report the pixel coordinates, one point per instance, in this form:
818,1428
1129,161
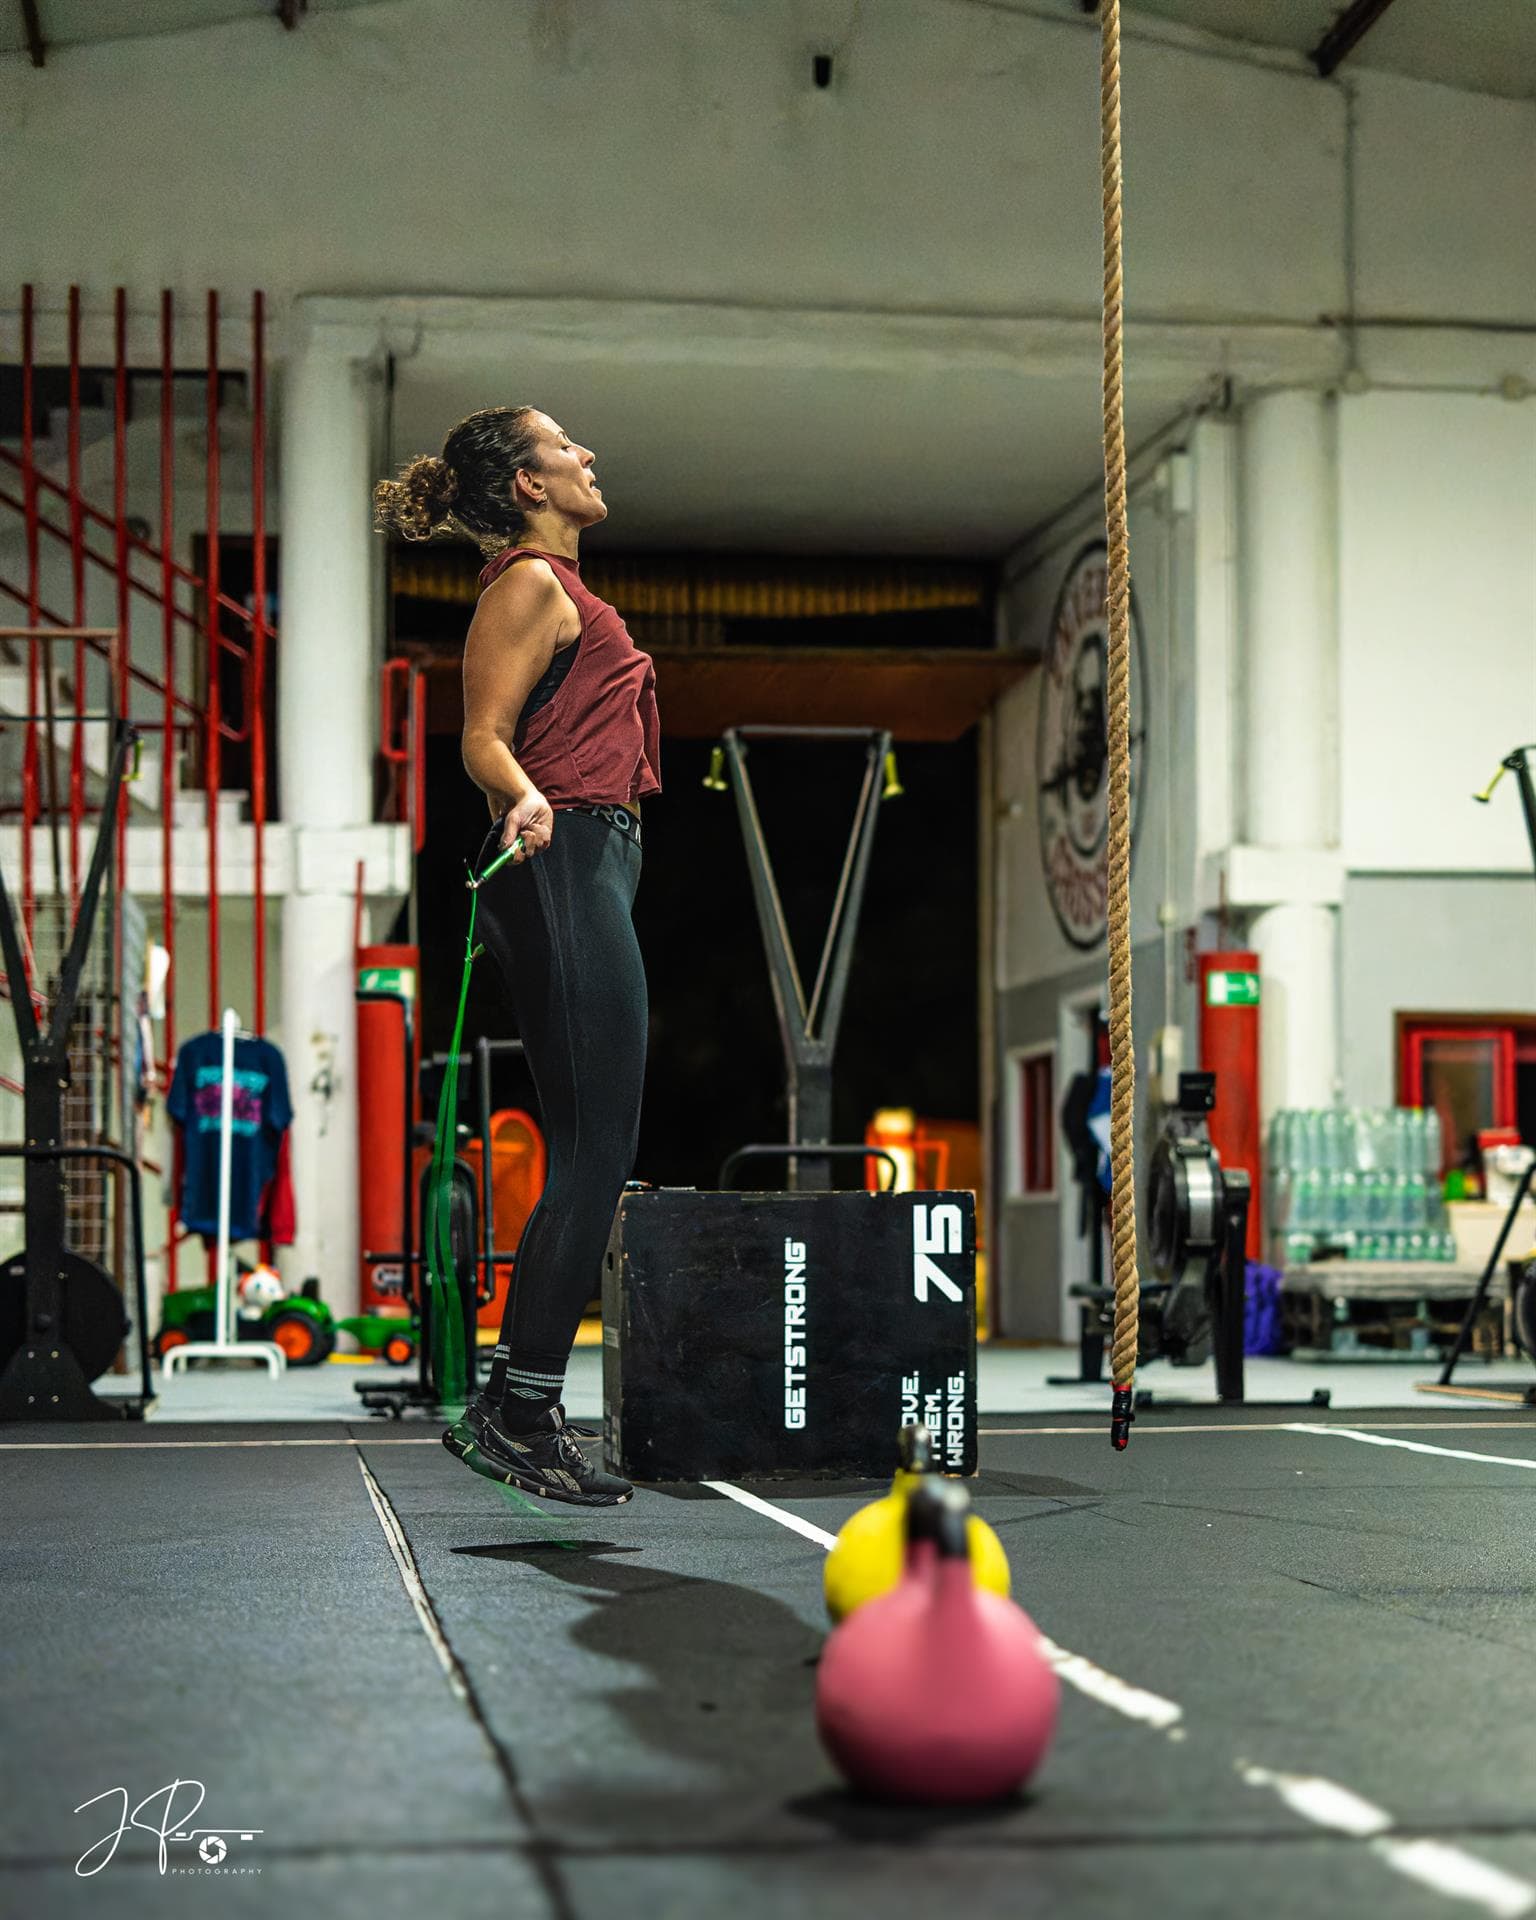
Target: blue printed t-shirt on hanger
262,1113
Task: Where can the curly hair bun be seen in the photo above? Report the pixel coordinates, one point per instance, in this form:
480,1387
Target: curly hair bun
421,501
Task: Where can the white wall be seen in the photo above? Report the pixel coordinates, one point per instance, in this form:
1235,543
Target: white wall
1443,187
679,151
1410,943
945,187
675,150
1437,627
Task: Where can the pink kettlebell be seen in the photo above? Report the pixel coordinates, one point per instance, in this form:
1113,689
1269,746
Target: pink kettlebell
937,1691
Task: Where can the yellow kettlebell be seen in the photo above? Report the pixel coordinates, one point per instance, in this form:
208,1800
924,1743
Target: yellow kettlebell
867,1557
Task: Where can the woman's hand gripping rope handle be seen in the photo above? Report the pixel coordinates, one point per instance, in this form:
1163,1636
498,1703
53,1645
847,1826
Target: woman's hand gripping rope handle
476,881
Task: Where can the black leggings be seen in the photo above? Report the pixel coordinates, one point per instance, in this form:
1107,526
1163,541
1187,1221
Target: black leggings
560,929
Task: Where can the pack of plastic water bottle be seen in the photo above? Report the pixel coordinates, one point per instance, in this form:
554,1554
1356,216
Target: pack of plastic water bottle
1360,1183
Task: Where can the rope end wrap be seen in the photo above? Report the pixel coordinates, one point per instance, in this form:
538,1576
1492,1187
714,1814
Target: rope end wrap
1122,1412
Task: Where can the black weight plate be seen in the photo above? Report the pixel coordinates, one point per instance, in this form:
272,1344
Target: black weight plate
95,1324
1525,1312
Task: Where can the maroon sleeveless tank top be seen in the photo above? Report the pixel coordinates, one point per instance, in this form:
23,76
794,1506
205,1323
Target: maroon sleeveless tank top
596,739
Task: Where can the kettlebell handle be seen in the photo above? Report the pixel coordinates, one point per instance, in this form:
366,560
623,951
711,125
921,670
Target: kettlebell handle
938,1511
915,1449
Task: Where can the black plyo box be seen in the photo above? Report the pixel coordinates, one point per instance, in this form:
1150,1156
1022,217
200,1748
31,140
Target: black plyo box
787,1333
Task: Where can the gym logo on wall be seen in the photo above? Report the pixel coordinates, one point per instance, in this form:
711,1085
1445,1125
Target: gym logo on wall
165,1814
1072,748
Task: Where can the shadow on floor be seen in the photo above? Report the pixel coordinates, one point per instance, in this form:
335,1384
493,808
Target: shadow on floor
861,1820
1031,1486
709,1739
690,1696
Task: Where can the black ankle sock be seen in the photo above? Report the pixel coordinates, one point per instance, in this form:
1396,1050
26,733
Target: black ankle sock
532,1388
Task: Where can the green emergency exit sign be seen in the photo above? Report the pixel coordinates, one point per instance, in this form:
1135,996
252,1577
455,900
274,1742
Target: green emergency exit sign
396,980
1231,989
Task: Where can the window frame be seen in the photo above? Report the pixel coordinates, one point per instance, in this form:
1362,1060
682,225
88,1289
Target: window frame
1415,1030
1030,1131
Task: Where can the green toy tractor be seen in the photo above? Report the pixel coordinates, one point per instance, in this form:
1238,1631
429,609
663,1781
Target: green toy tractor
300,1323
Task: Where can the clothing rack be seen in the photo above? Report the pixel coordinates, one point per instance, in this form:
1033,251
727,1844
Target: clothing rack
226,1345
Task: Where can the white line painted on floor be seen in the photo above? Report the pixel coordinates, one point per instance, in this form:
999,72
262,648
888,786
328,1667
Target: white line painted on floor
1415,1446
1135,1703
1460,1875
1442,1868
1107,1688
1146,1429
784,1518
405,1560
156,1446
1323,1802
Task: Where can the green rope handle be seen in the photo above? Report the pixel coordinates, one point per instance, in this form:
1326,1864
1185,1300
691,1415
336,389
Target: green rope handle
449,1360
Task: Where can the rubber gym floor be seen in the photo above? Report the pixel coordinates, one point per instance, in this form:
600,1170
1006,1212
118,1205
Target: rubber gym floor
1292,1656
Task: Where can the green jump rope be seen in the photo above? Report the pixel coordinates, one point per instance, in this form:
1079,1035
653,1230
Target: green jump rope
448,1332
448,1356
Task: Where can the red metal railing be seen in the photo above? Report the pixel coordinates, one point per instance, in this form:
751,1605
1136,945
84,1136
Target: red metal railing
176,691
189,714
403,745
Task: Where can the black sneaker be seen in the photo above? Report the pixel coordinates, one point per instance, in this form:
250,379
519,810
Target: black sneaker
546,1461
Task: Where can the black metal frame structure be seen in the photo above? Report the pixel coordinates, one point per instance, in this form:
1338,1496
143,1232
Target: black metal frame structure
67,1300
1518,762
808,1027
1463,1338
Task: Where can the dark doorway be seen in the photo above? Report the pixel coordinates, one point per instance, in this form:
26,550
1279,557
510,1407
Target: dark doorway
716,1073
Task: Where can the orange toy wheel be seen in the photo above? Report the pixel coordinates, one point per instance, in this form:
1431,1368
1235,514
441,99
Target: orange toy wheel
304,1341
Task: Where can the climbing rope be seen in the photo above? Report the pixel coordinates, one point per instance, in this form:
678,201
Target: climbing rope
1122,1051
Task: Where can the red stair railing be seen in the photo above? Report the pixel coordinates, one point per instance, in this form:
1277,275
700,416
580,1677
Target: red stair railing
166,701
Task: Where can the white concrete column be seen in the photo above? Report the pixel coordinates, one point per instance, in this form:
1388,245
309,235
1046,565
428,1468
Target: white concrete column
327,694
326,682
1289,784
1298,949
1286,534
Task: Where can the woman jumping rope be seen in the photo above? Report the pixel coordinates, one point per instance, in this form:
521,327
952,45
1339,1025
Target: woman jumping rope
561,735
